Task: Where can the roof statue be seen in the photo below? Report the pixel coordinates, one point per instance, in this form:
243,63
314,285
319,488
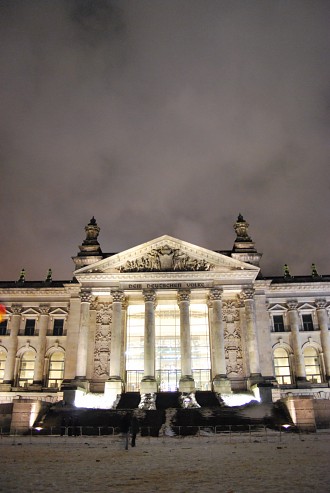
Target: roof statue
90,250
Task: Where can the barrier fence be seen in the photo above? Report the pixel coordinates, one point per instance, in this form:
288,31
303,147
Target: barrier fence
230,433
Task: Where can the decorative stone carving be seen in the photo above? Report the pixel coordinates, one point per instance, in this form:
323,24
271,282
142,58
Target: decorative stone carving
118,295
321,303
44,309
230,311
102,340
94,303
215,294
165,259
292,304
183,295
241,229
248,294
233,338
85,295
234,361
16,309
103,315
149,295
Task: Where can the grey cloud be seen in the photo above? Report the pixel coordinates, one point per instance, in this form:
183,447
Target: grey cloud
164,118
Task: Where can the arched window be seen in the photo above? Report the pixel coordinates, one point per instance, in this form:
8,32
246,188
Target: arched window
282,366
3,357
312,365
26,369
56,369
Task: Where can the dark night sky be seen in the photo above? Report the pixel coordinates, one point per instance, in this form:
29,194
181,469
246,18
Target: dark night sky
164,117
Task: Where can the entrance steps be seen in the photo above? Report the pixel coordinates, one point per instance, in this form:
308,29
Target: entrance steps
129,400
206,398
167,400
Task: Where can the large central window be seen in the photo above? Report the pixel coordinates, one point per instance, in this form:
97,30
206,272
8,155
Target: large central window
167,346
168,358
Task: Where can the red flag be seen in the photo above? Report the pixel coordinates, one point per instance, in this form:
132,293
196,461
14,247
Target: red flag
2,312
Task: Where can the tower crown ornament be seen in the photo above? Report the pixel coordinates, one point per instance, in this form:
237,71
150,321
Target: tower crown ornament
90,250
92,231
241,229
244,247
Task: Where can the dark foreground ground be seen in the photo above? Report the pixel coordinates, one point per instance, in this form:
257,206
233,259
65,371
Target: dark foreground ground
243,463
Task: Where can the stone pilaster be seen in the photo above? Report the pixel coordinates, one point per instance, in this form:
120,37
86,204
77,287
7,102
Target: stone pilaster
40,358
220,381
323,321
14,325
186,383
251,333
300,372
114,386
82,349
148,383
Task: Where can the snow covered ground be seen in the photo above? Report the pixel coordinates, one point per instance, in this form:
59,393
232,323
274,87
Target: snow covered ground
224,464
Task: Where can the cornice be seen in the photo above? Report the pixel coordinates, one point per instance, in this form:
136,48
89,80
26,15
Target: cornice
237,276
33,291
303,287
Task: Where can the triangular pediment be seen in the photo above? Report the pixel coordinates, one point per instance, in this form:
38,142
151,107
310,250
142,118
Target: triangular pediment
58,312
30,312
166,254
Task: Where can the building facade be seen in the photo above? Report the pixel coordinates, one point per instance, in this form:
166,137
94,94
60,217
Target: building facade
165,316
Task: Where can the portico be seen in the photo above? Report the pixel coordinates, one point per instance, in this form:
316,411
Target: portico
165,320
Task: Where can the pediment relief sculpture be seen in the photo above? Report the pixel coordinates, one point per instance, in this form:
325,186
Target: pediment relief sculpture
166,259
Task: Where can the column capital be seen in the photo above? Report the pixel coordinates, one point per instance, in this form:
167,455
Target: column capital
85,295
215,294
292,304
321,303
118,295
248,294
16,309
149,295
44,309
183,295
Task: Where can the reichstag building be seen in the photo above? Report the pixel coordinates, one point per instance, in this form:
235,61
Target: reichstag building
165,316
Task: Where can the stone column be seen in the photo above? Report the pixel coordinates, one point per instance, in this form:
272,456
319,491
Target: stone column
186,383
300,372
40,359
221,383
251,333
82,349
14,325
323,320
148,383
114,386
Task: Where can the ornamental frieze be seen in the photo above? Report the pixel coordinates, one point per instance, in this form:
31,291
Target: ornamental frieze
102,340
230,311
232,338
165,259
234,361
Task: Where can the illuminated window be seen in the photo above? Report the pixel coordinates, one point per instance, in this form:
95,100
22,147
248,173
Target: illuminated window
307,322
278,323
26,370
167,346
282,367
168,351
200,346
3,357
58,327
3,327
56,369
30,327
312,365
134,347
